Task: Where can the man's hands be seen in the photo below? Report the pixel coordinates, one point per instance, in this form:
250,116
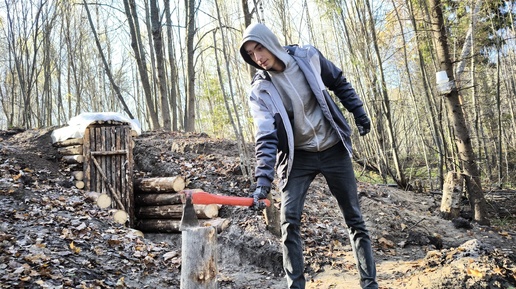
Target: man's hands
363,124
261,192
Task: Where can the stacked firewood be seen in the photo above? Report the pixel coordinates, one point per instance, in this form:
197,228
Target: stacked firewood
71,151
159,206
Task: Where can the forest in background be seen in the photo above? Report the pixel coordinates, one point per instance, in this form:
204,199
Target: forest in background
175,66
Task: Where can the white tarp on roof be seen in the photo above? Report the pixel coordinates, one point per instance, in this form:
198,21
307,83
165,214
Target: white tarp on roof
78,124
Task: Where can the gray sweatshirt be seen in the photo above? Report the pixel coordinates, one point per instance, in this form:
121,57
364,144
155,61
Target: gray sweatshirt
269,103
312,131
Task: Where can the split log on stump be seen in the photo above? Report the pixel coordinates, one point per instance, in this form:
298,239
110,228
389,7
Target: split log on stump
173,226
452,193
176,211
158,199
70,142
199,258
156,185
78,175
70,150
220,224
272,218
102,200
73,159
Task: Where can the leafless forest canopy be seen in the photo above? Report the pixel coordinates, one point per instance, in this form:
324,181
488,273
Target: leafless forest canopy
174,65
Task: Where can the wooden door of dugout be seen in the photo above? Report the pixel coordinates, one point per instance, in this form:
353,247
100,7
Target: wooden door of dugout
108,163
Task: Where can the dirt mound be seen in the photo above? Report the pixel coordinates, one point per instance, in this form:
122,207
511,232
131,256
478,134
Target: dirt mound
51,236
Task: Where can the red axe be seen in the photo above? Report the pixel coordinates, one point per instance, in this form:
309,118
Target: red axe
192,197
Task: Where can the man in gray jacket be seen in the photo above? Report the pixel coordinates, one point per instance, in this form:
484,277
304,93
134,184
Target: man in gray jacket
301,132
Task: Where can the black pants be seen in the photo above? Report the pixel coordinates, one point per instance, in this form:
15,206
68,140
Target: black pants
335,165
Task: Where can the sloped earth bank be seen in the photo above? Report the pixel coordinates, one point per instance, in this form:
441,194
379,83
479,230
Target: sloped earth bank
52,237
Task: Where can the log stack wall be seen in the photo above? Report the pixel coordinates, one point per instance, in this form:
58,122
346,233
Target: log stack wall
71,152
159,206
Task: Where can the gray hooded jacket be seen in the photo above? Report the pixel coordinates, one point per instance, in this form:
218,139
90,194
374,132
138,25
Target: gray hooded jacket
274,134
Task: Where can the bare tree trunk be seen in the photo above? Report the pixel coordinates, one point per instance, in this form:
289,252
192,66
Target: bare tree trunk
375,149
191,98
248,15
245,164
24,56
132,19
419,122
456,115
173,69
106,66
158,48
400,177
431,120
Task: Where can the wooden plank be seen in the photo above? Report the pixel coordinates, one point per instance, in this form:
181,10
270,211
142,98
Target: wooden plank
102,161
114,195
118,158
128,178
110,164
87,160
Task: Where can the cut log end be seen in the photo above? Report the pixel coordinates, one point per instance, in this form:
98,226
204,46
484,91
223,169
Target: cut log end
104,201
79,184
120,217
78,175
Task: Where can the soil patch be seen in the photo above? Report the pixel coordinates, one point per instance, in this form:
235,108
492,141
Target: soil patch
52,237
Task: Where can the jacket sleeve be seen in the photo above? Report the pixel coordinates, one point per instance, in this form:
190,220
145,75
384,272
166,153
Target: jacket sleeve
266,141
335,81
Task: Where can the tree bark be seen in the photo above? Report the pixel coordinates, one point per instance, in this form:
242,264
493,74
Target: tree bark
191,98
173,69
160,63
199,258
452,193
466,155
248,16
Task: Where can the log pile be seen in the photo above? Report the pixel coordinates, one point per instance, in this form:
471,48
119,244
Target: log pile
159,206
71,151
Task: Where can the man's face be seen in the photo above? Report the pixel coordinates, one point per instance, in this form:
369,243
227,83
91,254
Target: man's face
263,57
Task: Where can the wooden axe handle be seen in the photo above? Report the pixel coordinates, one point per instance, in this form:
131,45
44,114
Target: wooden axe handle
207,199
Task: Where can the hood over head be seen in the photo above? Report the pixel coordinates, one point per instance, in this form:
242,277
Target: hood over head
262,34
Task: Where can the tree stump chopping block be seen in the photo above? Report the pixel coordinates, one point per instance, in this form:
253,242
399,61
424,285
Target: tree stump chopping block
199,258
